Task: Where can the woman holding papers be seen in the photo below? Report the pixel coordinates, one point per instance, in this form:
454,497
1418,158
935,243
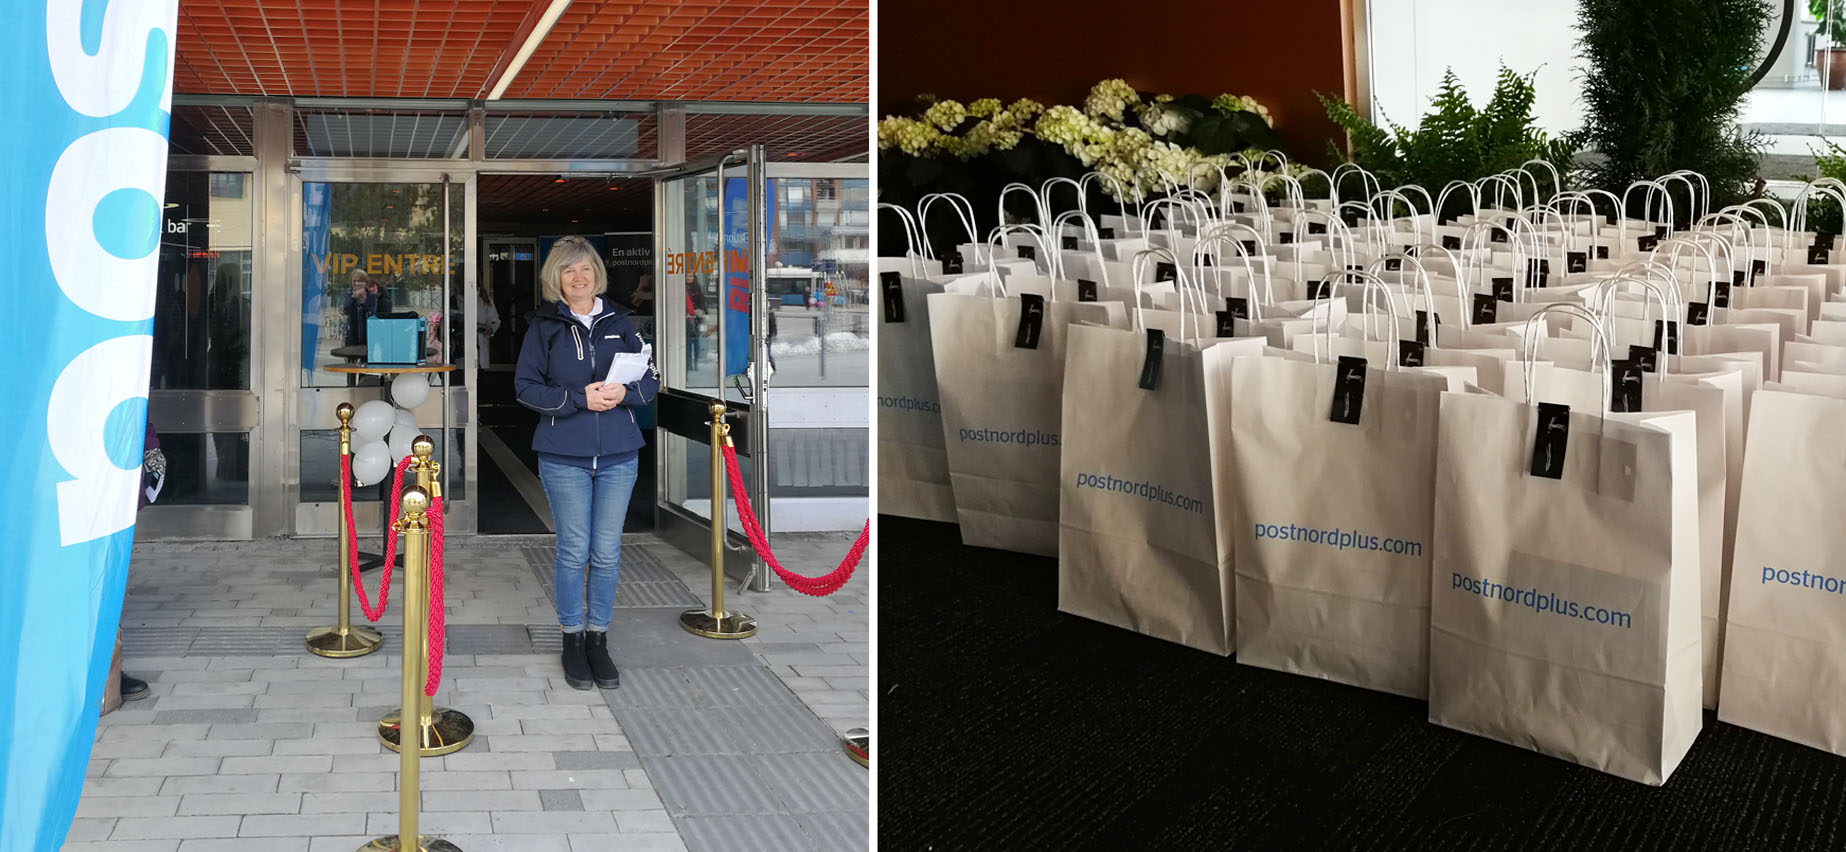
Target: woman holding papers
587,441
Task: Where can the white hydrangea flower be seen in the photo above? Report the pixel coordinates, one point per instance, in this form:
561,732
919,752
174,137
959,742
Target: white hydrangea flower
946,115
1108,98
984,107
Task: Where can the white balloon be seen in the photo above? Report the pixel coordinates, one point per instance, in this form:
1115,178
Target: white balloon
371,461
401,438
406,418
409,390
373,420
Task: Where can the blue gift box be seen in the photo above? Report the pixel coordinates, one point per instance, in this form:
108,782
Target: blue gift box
394,341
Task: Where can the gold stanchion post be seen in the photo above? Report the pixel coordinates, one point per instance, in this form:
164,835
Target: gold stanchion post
413,526
858,745
718,624
443,730
344,639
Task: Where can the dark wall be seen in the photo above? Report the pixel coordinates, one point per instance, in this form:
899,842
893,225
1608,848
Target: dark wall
1279,51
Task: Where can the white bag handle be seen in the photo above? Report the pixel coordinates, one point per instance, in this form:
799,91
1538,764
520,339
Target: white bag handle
1474,198
1373,284
1369,224
1220,235
1478,237
1557,179
1788,235
1675,245
1368,182
1501,182
1753,222
1654,189
1607,301
1332,196
1600,337
998,239
1717,238
1095,240
910,236
1140,265
963,208
1121,193
1038,204
1461,280
1422,279
1044,192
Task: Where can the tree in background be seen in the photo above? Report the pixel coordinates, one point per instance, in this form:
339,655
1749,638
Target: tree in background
1664,82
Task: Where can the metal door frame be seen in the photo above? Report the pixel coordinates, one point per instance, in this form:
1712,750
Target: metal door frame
312,408
685,530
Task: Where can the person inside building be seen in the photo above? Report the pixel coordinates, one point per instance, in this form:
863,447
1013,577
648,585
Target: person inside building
365,300
588,444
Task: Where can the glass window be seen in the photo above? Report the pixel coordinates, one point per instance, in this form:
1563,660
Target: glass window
819,332
205,470
374,249
202,293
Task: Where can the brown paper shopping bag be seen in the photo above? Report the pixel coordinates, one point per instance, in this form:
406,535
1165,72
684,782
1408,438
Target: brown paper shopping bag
1565,608
913,467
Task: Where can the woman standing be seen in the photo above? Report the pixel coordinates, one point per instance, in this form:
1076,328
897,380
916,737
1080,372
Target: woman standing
587,442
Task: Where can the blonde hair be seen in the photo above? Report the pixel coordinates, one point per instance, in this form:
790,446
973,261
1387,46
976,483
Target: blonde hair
565,252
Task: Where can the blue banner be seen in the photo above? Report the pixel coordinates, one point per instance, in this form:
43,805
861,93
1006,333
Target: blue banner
737,270
316,287
89,94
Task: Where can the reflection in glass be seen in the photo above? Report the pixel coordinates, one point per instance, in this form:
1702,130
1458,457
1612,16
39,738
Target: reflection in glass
391,234
819,234
202,293
205,470
320,468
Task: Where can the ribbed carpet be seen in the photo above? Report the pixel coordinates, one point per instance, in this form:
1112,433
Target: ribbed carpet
1005,724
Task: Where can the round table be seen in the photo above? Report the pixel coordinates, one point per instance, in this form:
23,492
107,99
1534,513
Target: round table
374,560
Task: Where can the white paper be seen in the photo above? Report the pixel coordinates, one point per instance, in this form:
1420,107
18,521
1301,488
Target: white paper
629,366
153,491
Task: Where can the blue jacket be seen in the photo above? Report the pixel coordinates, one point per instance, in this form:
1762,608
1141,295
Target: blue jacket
558,358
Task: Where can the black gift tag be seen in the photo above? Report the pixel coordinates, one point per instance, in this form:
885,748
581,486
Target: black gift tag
1394,264
1538,273
1485,308
1164,271
1286,237
1720,294
1206,259
893,284
1648,242
1666,337
951,263
1249,246
1317,227
1625,386
1660,232
1644,357
1086,290
1411,251
1451,242
1551,440
1426,324
1105,233
1322,289
1758,267
1150,365
1503,289
1576,261
1602,252
1697,313
1031,321
1070,243
1026,252
1737,279
1409,353
1496,236
1237,207
1227,324
1237,306
1348,390
1817,256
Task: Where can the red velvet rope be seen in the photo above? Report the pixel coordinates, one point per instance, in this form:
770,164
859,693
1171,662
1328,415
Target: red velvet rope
811,586
352,535
437,628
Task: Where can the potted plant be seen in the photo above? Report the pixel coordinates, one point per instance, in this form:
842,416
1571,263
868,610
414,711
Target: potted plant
1830,61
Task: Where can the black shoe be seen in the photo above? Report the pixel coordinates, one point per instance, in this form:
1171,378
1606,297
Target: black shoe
133,688
576,666
597,649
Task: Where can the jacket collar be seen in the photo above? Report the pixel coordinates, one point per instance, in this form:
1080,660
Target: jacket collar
557,311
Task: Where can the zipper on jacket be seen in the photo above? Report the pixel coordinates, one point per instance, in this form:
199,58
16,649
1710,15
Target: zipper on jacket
598,415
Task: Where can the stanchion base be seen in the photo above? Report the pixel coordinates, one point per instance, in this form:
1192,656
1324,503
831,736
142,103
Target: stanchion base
731,625
449,731
424,842
858,745
356,641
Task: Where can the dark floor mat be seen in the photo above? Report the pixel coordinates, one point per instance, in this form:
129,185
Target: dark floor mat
1004,724
515,430
504,511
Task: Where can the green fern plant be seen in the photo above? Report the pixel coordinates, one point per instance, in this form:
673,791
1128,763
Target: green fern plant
1454,141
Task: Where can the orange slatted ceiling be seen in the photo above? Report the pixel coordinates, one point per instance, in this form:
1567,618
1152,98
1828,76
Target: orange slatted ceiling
734,50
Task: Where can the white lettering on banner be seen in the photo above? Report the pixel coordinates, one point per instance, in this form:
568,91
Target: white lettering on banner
101,499
93,166
106,83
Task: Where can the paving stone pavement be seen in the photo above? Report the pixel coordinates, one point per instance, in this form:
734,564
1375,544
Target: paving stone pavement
246,741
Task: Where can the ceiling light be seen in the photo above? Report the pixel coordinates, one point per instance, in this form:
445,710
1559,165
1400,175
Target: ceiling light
537,35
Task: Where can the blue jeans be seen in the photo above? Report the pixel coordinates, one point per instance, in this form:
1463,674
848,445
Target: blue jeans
588,508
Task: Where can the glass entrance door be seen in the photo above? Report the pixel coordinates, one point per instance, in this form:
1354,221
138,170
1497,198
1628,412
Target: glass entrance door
709,342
